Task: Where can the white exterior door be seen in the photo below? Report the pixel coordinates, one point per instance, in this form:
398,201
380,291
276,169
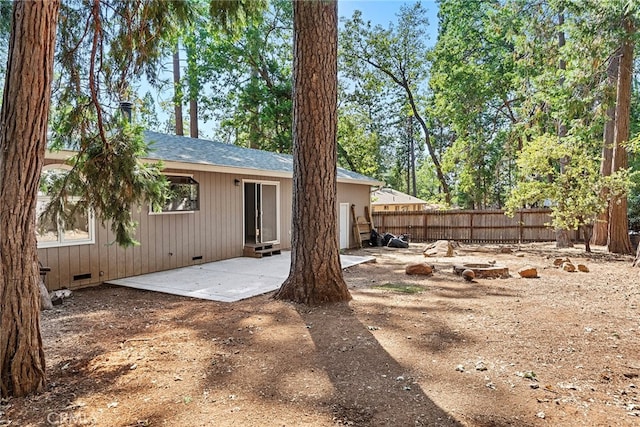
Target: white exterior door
344,225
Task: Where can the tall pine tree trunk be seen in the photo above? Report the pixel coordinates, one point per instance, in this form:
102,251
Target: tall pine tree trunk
618,241
315,276
193,117
412,159
444,186
177,94
562,236
601,226
23,139
194,88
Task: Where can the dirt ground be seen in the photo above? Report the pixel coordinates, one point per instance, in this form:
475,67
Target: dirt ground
559,350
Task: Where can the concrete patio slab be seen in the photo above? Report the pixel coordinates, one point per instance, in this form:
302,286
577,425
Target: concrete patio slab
228,280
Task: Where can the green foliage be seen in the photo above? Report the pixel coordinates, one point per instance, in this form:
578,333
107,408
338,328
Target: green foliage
109,179
564,175
477,169
634,164
562,53
6,8
242,75
531,76
428,188
147,116
103,48
634,205
473,94
562,86
358,146
369,130
388,66
231,15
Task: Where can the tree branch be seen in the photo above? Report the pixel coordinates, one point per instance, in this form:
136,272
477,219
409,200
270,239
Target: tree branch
92,70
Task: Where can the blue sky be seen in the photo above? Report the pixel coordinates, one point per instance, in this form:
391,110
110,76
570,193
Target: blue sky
384,11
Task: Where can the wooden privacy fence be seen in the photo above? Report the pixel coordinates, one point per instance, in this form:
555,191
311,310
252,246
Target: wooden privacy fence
470,226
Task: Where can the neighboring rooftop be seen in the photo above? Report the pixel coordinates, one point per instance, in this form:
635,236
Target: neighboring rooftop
389,196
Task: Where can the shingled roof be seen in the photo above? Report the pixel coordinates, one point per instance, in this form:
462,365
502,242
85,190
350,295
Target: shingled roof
195,151
389,196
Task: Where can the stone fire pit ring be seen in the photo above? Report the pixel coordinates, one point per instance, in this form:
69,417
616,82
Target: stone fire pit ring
483,271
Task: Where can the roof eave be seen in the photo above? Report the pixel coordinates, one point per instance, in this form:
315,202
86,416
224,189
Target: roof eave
379,203
64,155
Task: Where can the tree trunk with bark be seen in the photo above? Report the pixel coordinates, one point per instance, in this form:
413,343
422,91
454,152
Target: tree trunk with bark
23,139
446,191
587,232
193,117
315,276
177,97
601,226
562,239
562,236
412,160
618,240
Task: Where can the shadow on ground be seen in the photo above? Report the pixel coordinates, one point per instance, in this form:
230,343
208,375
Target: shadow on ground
365,375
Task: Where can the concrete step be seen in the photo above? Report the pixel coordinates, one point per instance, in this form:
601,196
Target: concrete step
261,250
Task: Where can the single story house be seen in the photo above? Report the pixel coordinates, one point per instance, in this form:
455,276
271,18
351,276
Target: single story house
228,199
390,200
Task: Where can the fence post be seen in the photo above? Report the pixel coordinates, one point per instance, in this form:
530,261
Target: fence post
471,227
520,227
424,226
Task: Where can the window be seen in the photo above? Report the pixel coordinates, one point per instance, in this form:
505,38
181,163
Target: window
184,196
79,228
79,231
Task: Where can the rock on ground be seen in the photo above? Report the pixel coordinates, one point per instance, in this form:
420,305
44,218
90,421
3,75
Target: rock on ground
468,275
440,248
583,268
419,269
528,272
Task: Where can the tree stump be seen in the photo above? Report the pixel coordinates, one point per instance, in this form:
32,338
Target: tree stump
483,271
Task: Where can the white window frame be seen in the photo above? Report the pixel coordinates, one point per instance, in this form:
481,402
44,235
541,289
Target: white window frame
61,242
152,212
